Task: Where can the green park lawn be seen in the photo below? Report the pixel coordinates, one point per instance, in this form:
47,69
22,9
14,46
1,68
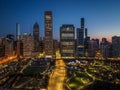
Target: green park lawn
80,79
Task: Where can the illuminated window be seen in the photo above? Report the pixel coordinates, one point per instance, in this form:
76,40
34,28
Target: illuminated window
67,43
68,51
66,35
48,17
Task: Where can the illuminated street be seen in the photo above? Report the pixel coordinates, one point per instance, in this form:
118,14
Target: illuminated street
57,76
7,59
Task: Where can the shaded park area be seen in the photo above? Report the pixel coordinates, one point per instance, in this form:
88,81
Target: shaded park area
33,70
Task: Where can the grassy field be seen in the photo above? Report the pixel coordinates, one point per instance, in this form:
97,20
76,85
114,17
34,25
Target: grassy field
79,80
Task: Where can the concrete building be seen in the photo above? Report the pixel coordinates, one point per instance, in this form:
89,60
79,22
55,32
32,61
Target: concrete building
48,34
9,45
28,45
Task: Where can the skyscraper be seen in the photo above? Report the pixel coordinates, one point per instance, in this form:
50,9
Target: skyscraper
86,40
82,23
80,42
55,45
2,47
107,51
9,45
36,37
17,31
67,40
116,46
28,45
48,34
80,39
86,33
104,47
19,44
19,48
92,47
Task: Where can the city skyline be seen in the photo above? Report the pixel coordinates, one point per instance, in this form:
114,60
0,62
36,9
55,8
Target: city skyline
101,17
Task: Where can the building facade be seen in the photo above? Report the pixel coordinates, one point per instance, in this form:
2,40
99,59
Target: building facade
80,39
28,45
2,47
42,46
36,37
92,48
9,45
17,31
48,34
104,48
80,42
67,40
82,23
19,48
116,46
55,45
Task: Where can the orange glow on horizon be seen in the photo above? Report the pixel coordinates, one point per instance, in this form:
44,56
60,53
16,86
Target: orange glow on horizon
109,39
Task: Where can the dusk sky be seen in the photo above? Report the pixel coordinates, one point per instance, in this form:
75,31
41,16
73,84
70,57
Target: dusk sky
102,17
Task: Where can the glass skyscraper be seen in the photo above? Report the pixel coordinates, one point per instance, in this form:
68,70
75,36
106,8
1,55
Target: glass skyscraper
80,39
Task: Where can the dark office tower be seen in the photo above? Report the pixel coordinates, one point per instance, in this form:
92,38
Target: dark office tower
103,47
67,40
41,46
116,46
48,34
86,32
86,40
55,45
17,31
97,41
82,22
80,42
104,40
36,37
92,48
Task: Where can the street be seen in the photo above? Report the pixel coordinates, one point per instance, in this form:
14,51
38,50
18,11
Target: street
57,76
